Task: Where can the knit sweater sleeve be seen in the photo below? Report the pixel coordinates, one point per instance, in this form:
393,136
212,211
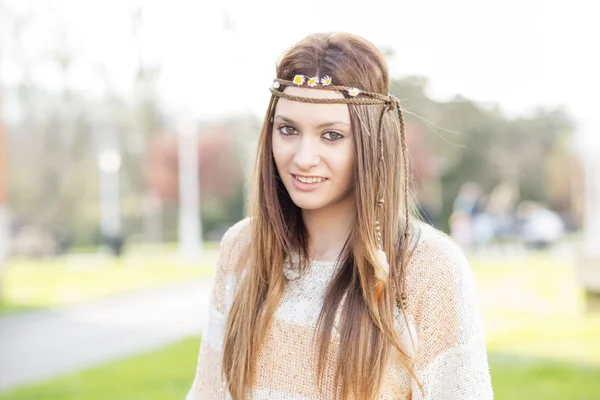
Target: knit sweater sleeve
451,359
209,383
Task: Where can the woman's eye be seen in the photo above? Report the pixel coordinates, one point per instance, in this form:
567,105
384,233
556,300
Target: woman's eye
287,130
333,136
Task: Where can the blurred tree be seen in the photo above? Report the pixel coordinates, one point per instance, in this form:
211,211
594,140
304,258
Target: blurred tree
481,145
564,182
49,139
221,179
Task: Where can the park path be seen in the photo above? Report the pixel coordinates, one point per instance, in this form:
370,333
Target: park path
44,344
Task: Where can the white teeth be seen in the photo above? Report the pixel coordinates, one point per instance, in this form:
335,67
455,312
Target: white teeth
309,180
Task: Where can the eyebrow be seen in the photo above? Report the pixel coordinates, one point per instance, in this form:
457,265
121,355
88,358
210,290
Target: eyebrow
288,120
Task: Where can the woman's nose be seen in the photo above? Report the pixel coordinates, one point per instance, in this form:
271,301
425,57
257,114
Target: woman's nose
307,154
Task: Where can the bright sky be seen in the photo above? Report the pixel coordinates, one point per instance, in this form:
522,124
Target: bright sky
518,53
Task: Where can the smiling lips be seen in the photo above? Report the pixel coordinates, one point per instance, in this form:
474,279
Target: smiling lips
309,179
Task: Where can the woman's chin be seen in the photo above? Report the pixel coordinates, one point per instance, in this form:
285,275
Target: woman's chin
308,204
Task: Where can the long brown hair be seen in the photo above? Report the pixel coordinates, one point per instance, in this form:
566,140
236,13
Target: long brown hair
366,326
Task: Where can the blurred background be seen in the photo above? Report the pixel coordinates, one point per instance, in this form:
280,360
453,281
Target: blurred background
128,130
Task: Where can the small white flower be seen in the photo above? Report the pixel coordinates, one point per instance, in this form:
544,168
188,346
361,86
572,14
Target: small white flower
299,80
312,82
276,85
353,92
326,80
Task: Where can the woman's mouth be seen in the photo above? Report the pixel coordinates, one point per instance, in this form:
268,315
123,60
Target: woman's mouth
307,183
309,179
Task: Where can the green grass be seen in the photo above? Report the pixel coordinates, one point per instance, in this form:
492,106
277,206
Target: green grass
541,344
30,284
533,307
516,378
568,339
161,375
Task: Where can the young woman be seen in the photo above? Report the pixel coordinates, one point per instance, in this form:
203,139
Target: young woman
331,289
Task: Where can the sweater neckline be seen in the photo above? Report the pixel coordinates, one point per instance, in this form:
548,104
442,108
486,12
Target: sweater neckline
295,258
322,262
291,267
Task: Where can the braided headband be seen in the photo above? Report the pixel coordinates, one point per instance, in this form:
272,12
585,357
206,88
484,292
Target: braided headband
299,80
390,103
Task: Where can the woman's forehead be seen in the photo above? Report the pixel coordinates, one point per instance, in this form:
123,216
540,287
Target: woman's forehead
311,113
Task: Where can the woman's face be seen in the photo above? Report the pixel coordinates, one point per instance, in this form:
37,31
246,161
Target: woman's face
313,149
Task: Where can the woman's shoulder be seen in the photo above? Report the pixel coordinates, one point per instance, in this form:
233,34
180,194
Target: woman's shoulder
238,232
434,256
235,243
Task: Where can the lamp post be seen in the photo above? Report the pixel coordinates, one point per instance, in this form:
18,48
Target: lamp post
4,231
4,215
109,164
190,229
589,262
592,183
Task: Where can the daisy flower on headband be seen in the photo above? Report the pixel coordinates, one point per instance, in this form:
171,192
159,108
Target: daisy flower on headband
312,82
276,85
299,79
353,92
326,80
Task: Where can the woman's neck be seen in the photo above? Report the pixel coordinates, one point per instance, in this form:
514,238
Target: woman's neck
328,230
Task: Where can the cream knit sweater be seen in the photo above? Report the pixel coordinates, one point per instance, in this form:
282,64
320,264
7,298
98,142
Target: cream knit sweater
450,359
